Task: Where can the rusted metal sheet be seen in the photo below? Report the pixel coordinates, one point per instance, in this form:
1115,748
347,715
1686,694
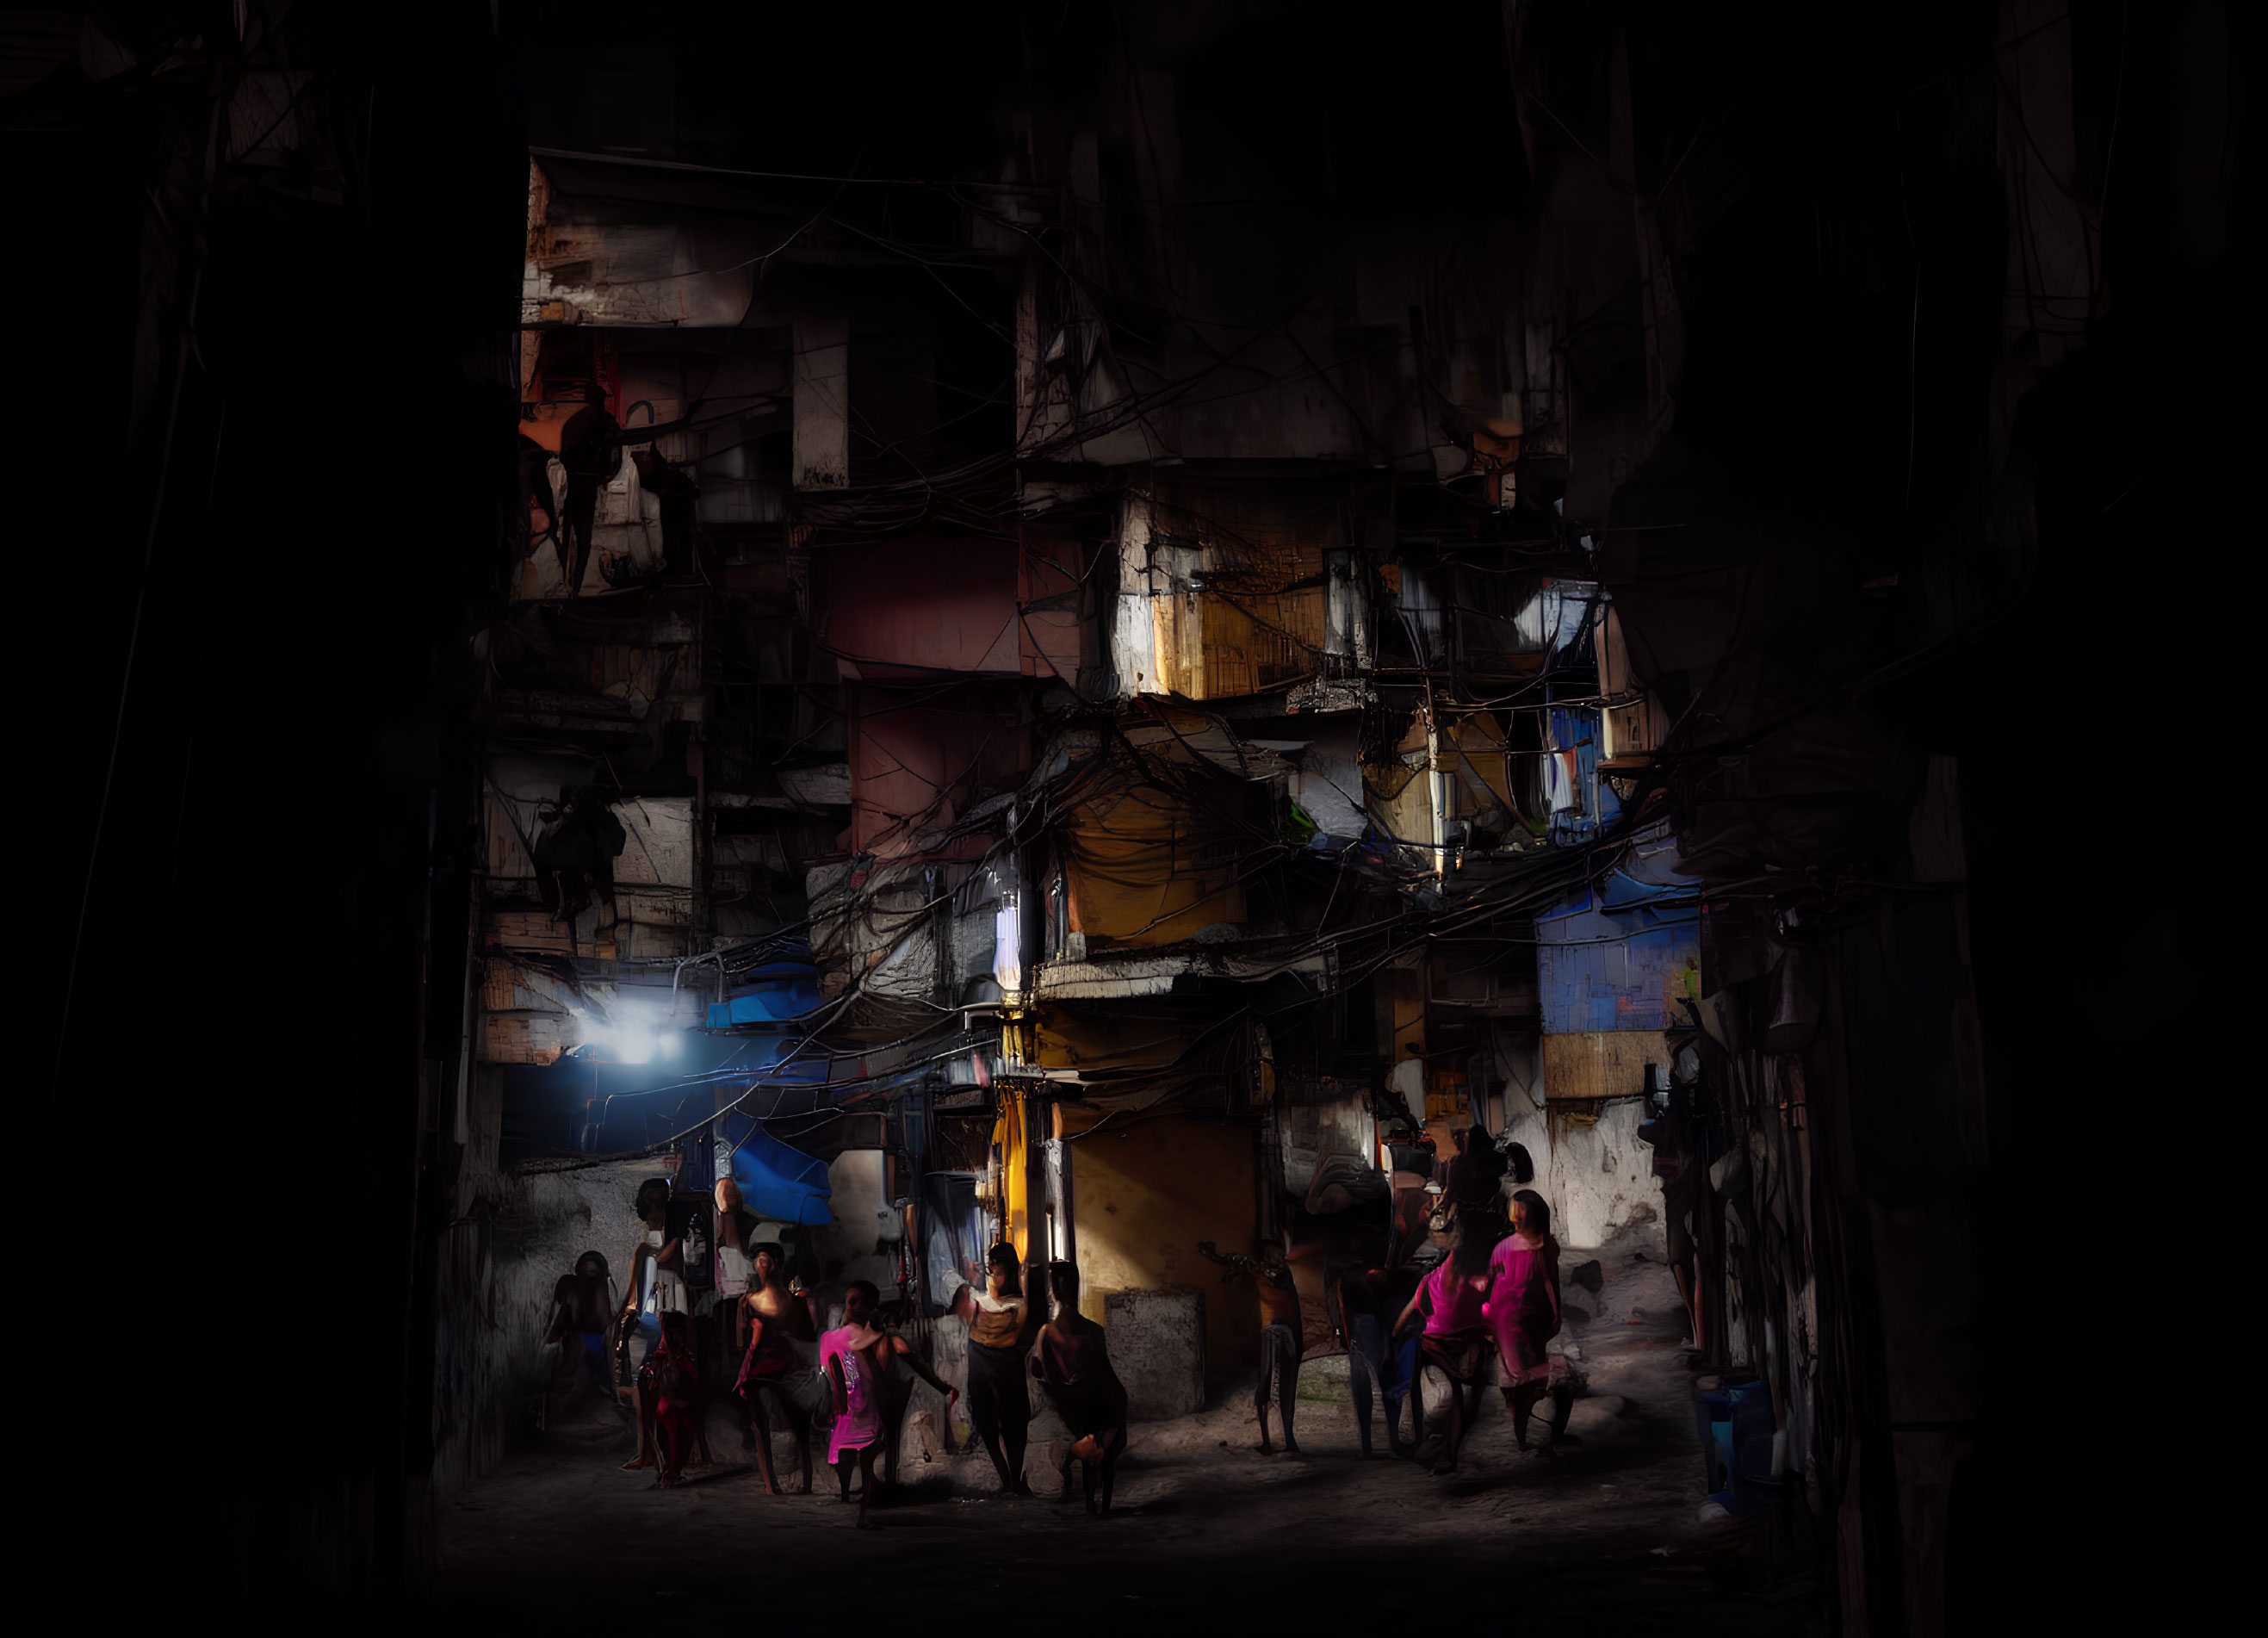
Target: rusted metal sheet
916,606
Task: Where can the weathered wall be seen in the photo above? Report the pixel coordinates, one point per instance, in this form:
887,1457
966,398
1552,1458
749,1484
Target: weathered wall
510,1240
1157,1342
1148,1190
1600,1177
1518,1106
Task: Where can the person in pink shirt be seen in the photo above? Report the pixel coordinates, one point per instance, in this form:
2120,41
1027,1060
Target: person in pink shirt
1454,1300
1523,1308
854,1356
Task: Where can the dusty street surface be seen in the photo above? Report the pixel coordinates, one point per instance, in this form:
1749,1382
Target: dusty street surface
1606,1538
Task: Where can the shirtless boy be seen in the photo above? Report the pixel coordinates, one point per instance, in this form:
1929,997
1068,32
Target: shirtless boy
778,1337
1073,1363
1281,1341
582,1306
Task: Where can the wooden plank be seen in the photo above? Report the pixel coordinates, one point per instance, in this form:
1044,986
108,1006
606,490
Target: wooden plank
520,1037
1599,1064
527,930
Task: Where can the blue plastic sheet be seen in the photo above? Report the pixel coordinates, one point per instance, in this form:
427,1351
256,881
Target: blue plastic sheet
775,1181
1622,958
777,994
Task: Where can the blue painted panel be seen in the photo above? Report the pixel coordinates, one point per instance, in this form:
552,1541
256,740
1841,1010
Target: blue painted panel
1620,959
1630,983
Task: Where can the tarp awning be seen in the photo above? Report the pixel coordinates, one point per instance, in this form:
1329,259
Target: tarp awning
775,994
775,1181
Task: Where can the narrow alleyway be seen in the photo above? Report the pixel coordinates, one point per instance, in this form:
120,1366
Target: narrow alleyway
1118,681
1609,1537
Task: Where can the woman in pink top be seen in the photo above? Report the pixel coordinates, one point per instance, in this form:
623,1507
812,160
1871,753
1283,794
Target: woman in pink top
1454,1300
1523,1306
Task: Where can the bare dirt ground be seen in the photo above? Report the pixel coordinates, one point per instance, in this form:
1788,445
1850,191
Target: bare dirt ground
1607,1538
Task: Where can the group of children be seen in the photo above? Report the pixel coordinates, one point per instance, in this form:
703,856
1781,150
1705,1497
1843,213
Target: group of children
1496,1292
845,1380
1491,1295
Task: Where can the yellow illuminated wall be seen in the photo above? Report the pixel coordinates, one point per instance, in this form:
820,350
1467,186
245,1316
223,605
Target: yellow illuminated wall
1147,1190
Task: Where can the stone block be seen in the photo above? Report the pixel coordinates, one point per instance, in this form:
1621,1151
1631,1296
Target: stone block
1157,1348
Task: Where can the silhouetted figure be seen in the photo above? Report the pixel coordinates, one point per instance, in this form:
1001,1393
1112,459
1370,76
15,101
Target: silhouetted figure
778,1336
1455,1340
1474,1184
1369,1300
582,1313
535,491
591,449
674,487
669,1401
658,1290
574,855
1281,1341
1073,1362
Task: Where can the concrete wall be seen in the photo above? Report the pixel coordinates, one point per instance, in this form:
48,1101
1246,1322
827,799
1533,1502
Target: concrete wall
1157,1346
1601,1178
1148,1190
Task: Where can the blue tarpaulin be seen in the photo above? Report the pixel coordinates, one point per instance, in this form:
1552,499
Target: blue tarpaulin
775,1181
778,993
1620,958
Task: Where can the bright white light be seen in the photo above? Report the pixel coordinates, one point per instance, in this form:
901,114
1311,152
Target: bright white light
1007,945
633,1046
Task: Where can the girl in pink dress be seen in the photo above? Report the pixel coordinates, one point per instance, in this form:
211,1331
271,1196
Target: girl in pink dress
858,1427
1523,1306
853,1357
